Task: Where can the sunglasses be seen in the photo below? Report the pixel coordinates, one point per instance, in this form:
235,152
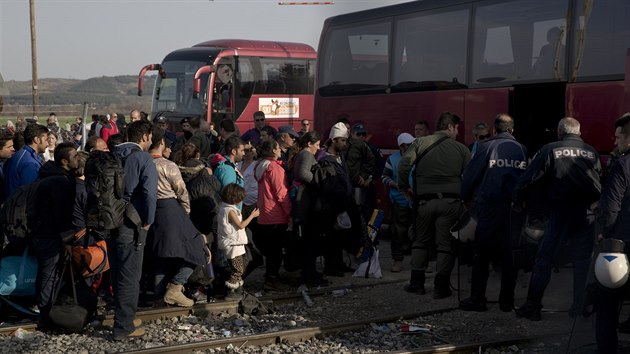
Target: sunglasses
361,134
260,120
483,137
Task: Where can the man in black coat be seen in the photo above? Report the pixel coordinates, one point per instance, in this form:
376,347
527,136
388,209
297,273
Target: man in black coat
55,205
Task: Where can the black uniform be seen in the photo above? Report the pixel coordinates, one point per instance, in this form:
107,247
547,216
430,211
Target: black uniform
492,174
568,171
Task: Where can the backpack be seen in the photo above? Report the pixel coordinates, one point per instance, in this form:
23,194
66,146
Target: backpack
105,186
18,214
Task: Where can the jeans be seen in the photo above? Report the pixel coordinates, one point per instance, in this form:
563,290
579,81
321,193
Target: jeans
401,221
49,265
269,239
164,269
125,259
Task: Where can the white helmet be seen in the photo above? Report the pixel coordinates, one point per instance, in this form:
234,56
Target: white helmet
464,229
611,265
534,228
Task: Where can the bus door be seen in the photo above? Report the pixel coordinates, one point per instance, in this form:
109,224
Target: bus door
223,91
536,109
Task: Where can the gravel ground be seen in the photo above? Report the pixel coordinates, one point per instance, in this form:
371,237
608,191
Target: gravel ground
373,301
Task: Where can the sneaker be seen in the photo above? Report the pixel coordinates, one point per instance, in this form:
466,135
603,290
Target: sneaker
109,322
529,311
397,267
472,305
415,289
137,333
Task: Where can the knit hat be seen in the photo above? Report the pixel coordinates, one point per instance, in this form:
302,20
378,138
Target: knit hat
338,130
405,138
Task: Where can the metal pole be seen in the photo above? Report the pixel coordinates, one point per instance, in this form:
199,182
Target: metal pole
34,59
84,129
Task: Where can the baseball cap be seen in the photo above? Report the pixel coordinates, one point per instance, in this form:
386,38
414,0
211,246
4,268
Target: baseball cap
405,138
289,130
159,119
358,128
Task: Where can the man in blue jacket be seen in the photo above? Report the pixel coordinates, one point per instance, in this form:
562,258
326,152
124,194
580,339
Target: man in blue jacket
126,244
489,181
23,167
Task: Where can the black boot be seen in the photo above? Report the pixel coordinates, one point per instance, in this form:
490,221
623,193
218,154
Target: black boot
416,283
442,287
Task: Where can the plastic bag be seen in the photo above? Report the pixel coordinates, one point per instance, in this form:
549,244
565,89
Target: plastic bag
370,268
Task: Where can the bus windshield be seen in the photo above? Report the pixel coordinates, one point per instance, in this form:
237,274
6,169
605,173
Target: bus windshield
173,93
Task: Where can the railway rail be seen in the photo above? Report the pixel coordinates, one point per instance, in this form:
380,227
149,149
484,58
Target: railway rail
205,309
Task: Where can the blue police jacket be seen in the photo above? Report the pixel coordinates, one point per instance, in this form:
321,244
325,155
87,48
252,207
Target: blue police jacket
569,171
494,169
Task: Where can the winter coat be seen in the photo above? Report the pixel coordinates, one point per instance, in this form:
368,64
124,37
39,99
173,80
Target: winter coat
55,201
203,190
140,180
21,169
273,196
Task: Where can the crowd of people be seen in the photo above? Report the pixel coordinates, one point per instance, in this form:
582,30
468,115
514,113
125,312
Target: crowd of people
206,198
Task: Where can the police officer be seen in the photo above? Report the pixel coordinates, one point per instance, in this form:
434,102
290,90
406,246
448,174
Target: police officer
492,174
569,171
437,180
613,221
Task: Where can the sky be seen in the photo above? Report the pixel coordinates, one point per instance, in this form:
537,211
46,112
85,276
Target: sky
80,39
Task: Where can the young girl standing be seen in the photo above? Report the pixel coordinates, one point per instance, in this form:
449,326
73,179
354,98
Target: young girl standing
231,232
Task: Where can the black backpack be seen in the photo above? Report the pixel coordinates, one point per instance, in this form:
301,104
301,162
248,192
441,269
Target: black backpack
105,186
18,214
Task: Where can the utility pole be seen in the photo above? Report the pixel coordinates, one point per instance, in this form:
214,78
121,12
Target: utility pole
34,60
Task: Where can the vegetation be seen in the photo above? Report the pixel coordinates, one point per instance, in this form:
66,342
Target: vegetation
66,96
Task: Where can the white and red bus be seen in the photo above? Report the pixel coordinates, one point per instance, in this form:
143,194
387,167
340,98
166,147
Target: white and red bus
538,60
233,78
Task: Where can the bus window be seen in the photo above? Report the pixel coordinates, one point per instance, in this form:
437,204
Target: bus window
430,50
519,40
273,76
356,60
607,37
174,92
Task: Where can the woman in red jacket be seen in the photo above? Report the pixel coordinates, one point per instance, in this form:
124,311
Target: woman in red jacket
275,211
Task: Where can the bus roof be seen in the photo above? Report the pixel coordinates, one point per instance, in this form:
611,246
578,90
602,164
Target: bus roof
265,46
392,10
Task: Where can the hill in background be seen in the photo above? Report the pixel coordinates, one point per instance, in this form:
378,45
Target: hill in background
66,96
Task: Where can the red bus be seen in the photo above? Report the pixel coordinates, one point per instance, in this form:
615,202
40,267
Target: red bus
233,78
538,60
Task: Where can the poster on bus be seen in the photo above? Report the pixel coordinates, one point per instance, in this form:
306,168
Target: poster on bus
279,107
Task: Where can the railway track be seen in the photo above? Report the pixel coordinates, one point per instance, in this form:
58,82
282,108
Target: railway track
205,309
292,335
